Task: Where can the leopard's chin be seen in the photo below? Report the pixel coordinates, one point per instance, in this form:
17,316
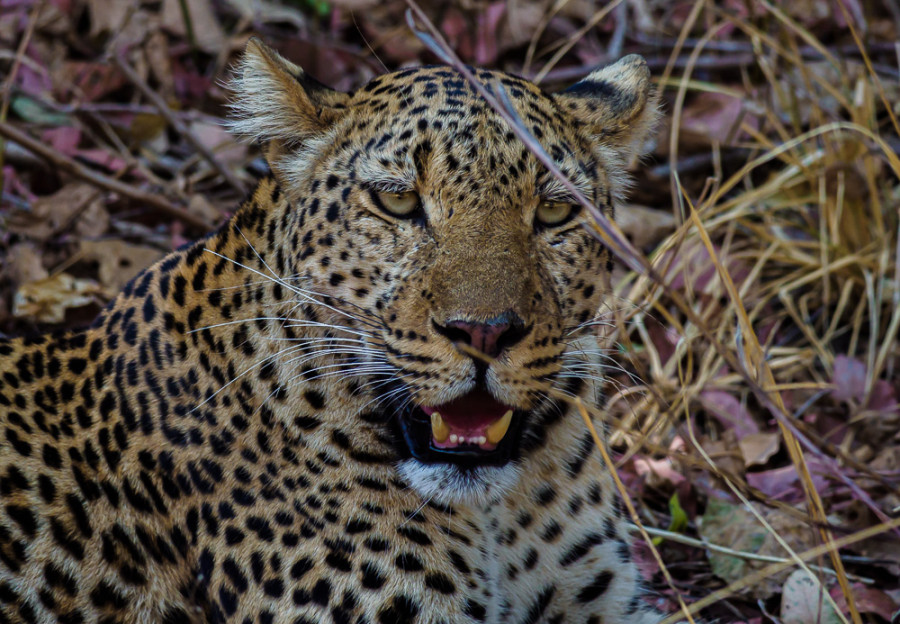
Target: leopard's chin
470,432
449,484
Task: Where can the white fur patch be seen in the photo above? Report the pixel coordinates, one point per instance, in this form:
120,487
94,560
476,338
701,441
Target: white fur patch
449,485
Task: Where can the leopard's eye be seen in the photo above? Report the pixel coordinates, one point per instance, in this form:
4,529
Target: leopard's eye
552,213
401,205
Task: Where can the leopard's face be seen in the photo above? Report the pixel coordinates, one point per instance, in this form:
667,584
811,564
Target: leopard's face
457,266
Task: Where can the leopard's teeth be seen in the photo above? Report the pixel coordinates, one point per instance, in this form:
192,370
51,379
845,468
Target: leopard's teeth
439,429
498,430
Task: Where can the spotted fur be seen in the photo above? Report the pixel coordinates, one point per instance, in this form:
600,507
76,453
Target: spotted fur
220,445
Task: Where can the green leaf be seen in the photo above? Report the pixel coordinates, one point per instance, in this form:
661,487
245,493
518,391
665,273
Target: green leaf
33,111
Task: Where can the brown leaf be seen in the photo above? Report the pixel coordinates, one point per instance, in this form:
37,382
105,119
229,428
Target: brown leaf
51,213
47,300
119,261
25,264
108,15
219,141
208,33
644,227
757,448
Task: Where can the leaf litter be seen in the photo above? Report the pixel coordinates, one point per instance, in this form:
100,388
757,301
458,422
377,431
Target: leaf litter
768,203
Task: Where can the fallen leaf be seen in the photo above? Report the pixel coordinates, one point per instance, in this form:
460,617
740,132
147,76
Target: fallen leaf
108,16
206,29
734,526
803,601
51,213
33,111
64,139
714,118
24,264
868,600
119,261
757,448
645,227
729,411
849,379
219,141
658,472
47,300
784,483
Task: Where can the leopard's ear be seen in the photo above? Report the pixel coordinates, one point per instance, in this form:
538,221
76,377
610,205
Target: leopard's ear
617,104
275,100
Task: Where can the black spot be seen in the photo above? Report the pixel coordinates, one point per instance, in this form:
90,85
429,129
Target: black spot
597,587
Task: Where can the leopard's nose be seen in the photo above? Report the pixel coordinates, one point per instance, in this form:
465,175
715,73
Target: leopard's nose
491,337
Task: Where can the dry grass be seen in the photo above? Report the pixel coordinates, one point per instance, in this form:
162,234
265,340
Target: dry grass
772,308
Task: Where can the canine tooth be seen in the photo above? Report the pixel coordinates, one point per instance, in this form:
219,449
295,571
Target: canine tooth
453,438
496,431
439,429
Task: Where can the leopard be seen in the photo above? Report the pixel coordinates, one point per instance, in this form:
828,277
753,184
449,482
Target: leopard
357,401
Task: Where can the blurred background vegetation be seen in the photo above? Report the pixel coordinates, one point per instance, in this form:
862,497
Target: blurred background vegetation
755,414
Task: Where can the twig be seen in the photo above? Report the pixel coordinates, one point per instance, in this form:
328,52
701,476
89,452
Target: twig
178,124
11,78
690,541
98,179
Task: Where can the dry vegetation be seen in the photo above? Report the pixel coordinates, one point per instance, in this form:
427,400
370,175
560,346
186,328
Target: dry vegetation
753,370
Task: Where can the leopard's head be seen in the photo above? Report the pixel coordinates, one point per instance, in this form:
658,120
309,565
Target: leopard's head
460,268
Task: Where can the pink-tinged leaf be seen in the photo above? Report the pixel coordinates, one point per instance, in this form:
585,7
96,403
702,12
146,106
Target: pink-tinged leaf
15,186
715,118
868,600
189,85
696,268
103,158
486,44
32,82
457,32
729,411
94,80
849,379
63,139
784,483
882,399
657,471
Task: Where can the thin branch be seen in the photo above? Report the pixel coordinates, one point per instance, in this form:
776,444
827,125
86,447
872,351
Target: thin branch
98,179
179,125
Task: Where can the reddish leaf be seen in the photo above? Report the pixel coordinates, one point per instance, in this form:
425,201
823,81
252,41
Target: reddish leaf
63,139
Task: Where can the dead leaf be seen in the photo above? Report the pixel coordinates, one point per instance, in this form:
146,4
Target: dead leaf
868,600
263,11
204,209
731,525
849,379
47,300
108,15
49,214
757,448
207,32
25,265
219,141
729,411
784,483
714,118
119,261
803,601
645,227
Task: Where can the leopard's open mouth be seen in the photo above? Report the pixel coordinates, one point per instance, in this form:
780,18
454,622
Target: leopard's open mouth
473,430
